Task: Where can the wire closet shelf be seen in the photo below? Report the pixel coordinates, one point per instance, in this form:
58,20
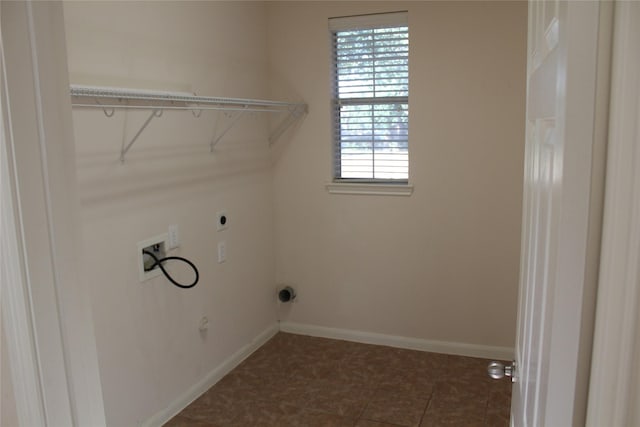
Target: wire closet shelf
110,99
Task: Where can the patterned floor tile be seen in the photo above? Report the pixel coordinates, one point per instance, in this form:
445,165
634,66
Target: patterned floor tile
301,381
369,423
397,406
309,418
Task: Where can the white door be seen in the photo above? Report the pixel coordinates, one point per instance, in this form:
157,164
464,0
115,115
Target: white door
555,302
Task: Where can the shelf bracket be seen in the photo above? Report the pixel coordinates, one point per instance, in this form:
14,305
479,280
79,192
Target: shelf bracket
154,113
235,120
294,114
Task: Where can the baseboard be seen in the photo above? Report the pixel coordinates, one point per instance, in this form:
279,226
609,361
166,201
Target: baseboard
210,379
460,349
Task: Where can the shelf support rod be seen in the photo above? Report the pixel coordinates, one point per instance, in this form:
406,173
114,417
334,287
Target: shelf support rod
154,113
217,139
294,114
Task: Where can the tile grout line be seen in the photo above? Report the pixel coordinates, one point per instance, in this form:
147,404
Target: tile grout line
426,408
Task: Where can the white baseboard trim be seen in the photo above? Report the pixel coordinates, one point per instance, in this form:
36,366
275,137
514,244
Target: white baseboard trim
210,379
460,349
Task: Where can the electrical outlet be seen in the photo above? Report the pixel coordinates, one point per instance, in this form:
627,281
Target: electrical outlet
204,324
222,252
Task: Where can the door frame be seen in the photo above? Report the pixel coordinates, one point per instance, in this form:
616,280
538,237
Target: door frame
615,369
16,311
46,310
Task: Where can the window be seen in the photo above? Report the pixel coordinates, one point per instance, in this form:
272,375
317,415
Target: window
371,97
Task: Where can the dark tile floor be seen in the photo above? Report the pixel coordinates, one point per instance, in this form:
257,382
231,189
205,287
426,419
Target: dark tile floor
296,380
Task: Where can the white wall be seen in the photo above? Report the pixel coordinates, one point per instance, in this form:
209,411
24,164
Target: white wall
439,265
150,349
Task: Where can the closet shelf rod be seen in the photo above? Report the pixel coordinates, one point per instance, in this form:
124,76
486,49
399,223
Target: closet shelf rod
176,107
191,100
158,101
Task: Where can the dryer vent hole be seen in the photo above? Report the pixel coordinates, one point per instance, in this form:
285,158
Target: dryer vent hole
286,294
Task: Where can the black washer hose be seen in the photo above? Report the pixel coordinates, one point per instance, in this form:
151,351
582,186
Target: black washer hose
159,261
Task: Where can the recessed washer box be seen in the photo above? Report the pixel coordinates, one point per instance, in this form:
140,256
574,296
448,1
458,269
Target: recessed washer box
158,246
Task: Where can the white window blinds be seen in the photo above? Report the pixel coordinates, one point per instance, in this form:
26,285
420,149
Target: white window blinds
371,97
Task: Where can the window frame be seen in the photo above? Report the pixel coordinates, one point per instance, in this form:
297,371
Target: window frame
356,23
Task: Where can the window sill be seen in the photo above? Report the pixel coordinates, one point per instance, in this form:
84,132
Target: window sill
370,189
